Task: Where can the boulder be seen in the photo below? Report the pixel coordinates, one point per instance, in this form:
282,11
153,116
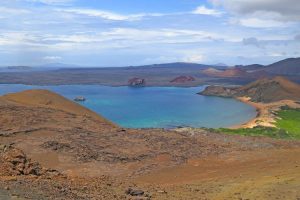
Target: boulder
134,192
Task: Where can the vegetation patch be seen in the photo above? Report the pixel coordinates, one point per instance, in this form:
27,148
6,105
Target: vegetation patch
289,120
257,131
287,126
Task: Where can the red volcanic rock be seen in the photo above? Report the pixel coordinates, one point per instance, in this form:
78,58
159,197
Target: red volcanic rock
136,82
183,79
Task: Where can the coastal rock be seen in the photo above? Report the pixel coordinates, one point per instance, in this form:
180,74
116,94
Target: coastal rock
80,99
136,82
182,79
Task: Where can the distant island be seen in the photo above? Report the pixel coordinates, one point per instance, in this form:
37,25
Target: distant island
171,74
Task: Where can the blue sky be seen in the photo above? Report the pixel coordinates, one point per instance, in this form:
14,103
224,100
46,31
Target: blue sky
137,32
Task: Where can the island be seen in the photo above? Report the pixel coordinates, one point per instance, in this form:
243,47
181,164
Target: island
62,150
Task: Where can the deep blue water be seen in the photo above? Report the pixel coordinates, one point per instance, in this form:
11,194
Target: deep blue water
159,107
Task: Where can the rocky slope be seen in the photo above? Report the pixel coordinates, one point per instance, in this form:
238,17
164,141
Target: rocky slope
231,72
52,148
182,79
263,90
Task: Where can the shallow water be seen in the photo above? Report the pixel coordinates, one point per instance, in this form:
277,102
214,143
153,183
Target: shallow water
153,107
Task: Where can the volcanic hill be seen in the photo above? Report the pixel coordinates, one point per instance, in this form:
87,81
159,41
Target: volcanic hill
262,90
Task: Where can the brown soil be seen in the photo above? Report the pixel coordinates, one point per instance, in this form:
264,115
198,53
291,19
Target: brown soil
80,155
263,174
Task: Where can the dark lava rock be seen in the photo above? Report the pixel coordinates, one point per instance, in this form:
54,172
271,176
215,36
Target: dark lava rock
134,192
54,145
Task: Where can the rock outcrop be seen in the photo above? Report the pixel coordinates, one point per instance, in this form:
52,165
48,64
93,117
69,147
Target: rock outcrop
13,162
136,82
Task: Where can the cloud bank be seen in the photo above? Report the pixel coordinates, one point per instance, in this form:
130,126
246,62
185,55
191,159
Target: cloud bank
35,32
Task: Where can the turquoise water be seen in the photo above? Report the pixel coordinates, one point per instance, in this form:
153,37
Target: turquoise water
153,107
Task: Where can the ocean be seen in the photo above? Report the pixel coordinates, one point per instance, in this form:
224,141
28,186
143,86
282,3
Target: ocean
153,107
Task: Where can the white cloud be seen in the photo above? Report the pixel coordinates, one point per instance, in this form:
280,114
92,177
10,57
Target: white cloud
110,15
80,33
275,54
16,38
194,58
97,13
136,36
161,59
251,41
52,58
202,10
52,2
260,23
13,11
281,10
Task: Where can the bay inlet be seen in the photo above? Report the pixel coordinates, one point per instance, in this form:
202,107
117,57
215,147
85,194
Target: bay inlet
153,107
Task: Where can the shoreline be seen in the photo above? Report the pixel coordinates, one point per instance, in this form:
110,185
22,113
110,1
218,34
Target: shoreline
265,112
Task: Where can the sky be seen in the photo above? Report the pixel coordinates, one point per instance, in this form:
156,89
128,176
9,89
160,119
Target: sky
138,32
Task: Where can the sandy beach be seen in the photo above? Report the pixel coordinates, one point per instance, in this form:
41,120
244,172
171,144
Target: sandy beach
265,112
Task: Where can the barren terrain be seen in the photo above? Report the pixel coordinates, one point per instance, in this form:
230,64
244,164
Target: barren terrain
52,148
